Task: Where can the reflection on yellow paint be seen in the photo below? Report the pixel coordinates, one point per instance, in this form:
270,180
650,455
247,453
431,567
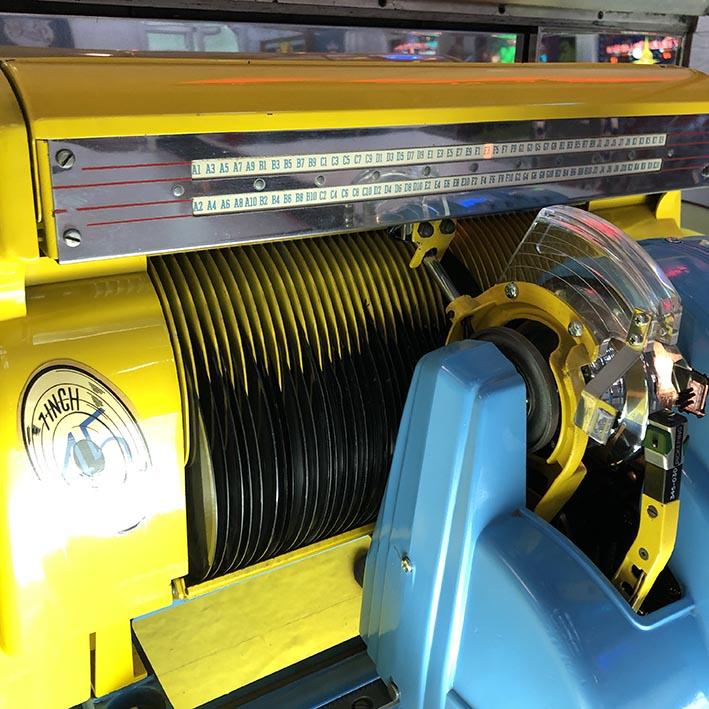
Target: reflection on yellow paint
67,572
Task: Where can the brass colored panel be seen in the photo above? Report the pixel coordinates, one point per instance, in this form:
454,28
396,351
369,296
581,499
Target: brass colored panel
207,646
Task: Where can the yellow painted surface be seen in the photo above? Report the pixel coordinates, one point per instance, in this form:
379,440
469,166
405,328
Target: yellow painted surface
18,229
18,223
643,216
563,468
12,289
204,647
46,270
104,96
184,591
656,536
113,657
61,580
433,246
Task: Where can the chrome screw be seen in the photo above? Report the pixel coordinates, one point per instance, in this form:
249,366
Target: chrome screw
511,290
652,511
319,180
426,171
259,184
642,552
72,237
642,319
575,328
406,566
65,159
178,190
705,171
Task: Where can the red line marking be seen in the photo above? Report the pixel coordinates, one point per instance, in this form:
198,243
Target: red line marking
687,168
146,219
689,157
697,142
145,164
122,182
60,211
133,204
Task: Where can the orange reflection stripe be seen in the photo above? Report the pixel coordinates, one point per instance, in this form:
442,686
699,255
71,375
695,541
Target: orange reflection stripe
411,80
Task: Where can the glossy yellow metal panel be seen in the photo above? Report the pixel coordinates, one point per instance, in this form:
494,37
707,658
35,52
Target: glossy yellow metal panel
18,228
271,617
12,289
644,216
18,224
62,577
107,96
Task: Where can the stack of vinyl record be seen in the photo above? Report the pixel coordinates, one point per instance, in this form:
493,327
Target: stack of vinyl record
485,245
295,359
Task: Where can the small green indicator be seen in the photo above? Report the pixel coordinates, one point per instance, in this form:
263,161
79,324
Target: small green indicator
658,440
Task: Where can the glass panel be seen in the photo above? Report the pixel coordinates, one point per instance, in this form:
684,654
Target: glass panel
599,271
108,33
638,48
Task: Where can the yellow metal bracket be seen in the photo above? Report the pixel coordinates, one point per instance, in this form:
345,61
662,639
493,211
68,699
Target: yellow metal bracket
507,302
659,508
459,311
650,551
432,239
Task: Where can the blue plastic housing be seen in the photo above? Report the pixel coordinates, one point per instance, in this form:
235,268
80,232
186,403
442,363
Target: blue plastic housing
492,606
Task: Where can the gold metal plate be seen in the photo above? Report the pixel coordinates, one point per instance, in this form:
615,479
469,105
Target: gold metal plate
209,645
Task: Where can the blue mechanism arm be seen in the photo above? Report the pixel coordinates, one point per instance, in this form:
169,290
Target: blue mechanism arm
470,600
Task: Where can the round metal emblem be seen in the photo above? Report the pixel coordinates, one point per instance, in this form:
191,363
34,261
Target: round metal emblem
79,433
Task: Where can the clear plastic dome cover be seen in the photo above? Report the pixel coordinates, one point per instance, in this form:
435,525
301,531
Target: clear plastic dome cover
599,271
